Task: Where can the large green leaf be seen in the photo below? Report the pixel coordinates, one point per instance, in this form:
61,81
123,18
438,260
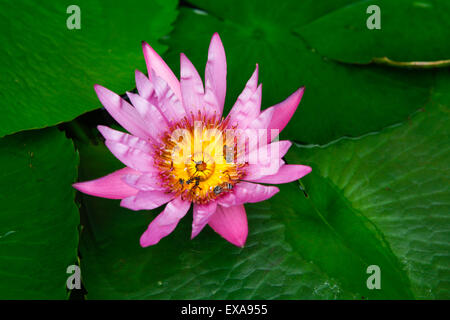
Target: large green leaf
399,181
410,31
376,200
349,100
38,219
48,71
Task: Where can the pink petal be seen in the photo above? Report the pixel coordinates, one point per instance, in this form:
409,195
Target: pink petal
284,146
167,102
265,154
156,122
131,157
165,222
211,106
287,173
147,200
285,110
246,111
263,120
216,71
243,100
256,171
144,182
122,112
156,63
125,138
191,87
245,192
231,224
259,127
110,186
143,85
250,87
202,213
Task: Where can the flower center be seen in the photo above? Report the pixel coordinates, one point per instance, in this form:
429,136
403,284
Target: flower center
200,166
195,162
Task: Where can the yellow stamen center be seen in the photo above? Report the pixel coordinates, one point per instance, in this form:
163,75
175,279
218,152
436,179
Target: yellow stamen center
195,162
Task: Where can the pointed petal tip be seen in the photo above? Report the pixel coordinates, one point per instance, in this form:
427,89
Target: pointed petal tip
108,133
194,234
109,186
127,203
300,92
215,36
184,62
77,185
288,144
285,110
240,243
103,130
139,74
98,88
183,58
252,83
287,173
308,169
255,74
130,94
105,95
164,224
216,41
231,224
81,186
144,240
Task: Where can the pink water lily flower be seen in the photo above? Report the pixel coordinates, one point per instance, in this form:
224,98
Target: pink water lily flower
181,151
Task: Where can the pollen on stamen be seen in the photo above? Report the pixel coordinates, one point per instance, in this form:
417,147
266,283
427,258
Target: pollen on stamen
192,161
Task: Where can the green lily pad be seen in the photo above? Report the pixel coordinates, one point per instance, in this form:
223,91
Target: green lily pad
49,70
415,33
339,100
39,219
398,181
